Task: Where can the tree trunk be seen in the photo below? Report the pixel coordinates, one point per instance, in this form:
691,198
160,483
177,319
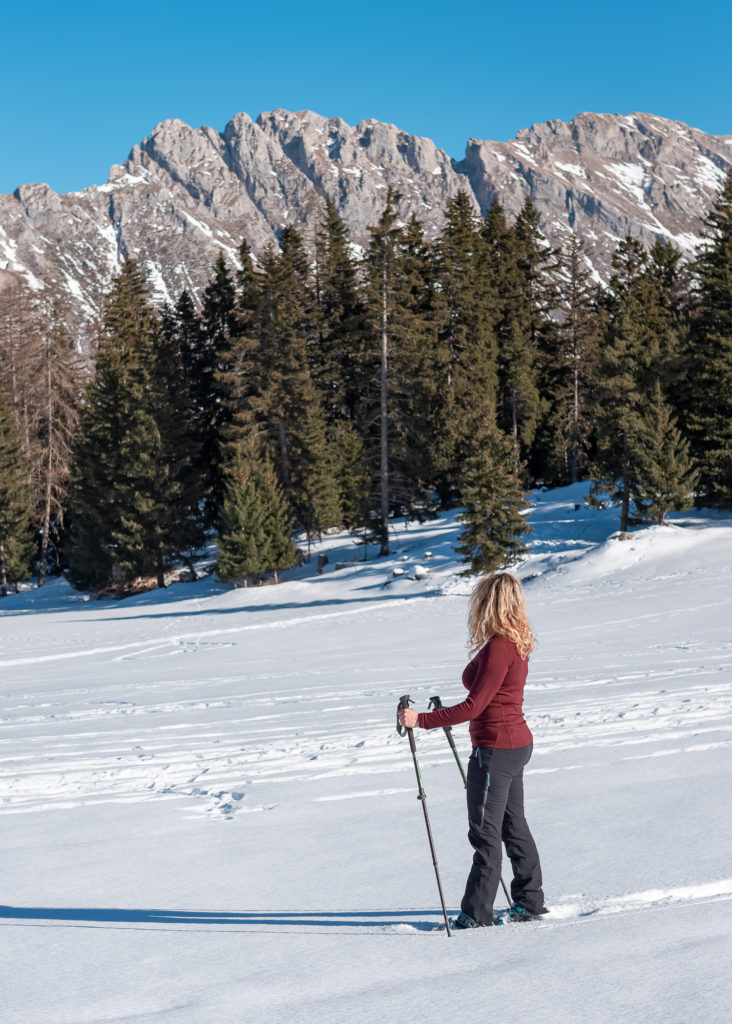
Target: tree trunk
625,500
575,420
284,458
3,572
49,478
384,415
160,569
45,530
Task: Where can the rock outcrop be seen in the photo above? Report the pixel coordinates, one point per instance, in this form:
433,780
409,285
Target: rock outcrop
183,194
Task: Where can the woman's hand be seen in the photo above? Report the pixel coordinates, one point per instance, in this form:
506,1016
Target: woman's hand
408,718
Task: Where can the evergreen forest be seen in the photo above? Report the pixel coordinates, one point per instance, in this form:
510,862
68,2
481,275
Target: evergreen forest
319,386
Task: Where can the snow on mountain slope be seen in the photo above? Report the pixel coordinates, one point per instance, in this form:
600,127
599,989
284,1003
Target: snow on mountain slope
184,194
208,815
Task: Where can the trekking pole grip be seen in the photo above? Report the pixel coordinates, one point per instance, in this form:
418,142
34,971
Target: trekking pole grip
404,702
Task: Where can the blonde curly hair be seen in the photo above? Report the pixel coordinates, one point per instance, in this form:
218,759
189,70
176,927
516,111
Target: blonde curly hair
498,608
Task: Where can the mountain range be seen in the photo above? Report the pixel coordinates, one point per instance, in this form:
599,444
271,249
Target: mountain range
184,194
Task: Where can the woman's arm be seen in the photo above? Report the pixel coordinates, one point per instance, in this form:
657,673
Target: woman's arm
493,664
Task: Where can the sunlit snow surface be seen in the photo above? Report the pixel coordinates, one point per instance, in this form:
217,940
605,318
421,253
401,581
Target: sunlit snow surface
209,818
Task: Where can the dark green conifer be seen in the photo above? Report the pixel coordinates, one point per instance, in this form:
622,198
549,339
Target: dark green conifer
494,500
638,341
267,385
242,535
279,548
522,266
336,357
465,366
131,511
567,363
708,390
664,476
398,289
255,534
218,325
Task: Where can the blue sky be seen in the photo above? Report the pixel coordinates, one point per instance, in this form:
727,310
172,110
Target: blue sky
82,83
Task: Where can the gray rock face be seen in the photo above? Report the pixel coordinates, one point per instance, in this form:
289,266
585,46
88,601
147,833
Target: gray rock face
604,177
184,194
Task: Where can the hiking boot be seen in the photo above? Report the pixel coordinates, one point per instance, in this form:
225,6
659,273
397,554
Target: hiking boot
463,921
517,913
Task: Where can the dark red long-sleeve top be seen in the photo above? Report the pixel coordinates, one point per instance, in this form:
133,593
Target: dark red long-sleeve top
495,681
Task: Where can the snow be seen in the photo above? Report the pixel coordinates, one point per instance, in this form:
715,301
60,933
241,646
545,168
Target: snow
210,817
688,241
197,224
708,173
123,181
156,281
632,177
9,261
572,169
522,150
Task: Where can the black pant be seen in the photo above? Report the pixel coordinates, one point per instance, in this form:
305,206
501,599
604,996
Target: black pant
495,814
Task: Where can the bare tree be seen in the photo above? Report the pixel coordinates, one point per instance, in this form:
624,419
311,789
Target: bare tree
56,421
39,376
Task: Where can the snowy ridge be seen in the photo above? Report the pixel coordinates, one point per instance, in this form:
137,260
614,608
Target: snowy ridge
185,194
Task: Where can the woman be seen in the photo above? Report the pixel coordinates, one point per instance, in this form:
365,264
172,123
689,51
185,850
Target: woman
502,743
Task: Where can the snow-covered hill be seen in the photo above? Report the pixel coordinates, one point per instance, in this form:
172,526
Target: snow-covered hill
208,816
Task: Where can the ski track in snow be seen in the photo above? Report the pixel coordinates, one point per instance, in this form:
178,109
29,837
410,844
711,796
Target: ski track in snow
79,748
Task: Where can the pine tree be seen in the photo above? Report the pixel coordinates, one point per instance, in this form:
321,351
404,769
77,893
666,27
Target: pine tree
708,392
242,531
182,329
176,468
294,412
16,543
568,363
336,357
400,375
218,324
242,374
255,534
522,267
638,342
267,384
279,548
664,476
350,470
131,511
494,500
465,389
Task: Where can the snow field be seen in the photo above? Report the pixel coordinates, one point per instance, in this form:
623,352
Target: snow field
208,815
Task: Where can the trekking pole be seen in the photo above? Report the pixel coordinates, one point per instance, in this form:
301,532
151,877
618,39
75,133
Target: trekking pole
404,702
435,703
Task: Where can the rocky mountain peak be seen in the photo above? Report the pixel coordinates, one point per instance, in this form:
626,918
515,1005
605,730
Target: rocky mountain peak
184,193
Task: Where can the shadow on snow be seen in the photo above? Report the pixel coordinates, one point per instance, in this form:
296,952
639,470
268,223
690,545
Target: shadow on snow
112,915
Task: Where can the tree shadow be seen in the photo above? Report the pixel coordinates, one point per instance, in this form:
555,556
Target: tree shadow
118,915
336,602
